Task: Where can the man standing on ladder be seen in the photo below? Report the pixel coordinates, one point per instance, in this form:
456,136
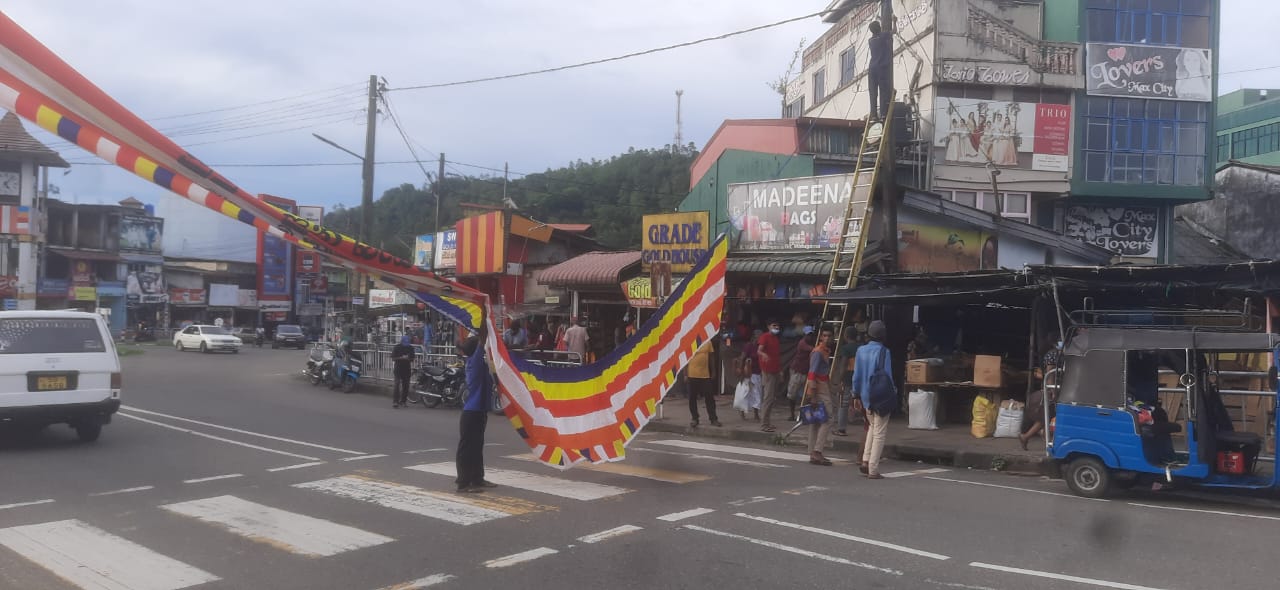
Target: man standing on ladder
879,71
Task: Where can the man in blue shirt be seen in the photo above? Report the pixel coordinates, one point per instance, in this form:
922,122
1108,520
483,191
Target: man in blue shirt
871,356
475,415
878,72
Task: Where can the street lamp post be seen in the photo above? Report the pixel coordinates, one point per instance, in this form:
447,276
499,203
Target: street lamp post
366,213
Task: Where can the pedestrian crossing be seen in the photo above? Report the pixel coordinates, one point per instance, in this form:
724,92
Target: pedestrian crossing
294,519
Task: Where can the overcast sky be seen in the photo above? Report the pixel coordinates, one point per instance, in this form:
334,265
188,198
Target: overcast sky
162,59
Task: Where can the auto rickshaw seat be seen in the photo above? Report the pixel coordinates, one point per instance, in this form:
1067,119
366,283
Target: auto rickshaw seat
1243,439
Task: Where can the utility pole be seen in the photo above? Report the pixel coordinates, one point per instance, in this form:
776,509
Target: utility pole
888,180
366,193
439,195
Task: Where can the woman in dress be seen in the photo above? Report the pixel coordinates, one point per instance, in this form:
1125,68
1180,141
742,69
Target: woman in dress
1008,133
955,138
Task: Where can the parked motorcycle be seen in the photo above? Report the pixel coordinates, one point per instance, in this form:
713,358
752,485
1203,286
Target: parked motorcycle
435,385
348,375
319,365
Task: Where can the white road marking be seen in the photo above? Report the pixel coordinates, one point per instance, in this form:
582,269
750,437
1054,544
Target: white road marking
663,475
678,516
298,466
846,537
992,485
94,559
519,558
21,504
248,432
957,585
790,549
495,444
707,457
421,583
292,532
565,488
752,500
217,438
609,534
125,491
213,478
425,451
749,451
1217,512
361,458
1065,578
804,490
407,498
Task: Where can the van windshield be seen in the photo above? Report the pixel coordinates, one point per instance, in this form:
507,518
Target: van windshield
49,336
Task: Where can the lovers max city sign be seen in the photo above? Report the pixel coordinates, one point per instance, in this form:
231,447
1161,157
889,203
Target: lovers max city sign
681,239
1148,71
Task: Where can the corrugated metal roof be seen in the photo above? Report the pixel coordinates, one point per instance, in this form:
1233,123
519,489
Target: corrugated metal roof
807,264
14,139
593,269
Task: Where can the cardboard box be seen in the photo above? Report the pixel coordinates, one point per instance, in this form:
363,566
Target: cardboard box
924,371
986,371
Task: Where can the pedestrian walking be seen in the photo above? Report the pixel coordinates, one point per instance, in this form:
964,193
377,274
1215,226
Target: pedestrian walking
875,395
769,353
402,368
799,370
576,339
817,396
878,71
475,415
702,372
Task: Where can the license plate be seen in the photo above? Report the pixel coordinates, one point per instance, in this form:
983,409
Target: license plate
51,383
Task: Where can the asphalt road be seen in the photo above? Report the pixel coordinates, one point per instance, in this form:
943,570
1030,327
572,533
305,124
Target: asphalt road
228,471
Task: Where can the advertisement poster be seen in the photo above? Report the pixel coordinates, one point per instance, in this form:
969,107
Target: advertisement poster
247,298
1005,134
795,214
274,267
145,287
446,254
639,292
181,296
1149,71
680,239
311,213
81,271
223,295
927,249
1127,231
423,255
140,234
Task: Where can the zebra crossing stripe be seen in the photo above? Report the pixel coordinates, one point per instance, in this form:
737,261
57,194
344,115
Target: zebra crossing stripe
555,486
664,475
290,531
94,559
410,499
748,451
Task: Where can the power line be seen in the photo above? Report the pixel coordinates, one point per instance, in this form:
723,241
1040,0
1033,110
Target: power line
396,121
259,103
615,58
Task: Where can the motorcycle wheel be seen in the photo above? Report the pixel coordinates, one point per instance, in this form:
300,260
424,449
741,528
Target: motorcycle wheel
348,384
315,379
431,401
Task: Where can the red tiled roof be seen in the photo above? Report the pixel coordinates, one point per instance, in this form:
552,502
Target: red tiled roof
593,269
14,140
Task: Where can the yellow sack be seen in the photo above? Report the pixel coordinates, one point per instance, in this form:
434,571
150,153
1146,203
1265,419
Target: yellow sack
985,411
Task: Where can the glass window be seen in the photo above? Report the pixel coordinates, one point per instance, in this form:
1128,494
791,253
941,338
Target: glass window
819,85
1159,22
1095,167
846,66
1224,147
1016,203
1139,132
1190,171
969,199
49,336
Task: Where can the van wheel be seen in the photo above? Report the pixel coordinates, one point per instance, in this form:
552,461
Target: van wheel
1088,477
89,431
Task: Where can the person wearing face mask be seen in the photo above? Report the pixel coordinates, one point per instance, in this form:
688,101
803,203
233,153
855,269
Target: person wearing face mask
769,353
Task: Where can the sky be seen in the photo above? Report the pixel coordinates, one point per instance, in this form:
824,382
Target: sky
168,60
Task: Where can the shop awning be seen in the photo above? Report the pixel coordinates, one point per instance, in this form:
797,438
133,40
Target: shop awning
593,269
807,264
1003,286
86,254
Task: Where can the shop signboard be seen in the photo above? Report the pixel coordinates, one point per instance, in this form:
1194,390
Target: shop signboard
15,219
679,239
1126,231
483,242
183,296
274,267
1149,71
793,214
639,292
446,251
52,287
311,309
8,286
145,286
357,301
81,271
308,262
931,249
141,234
389,297
314,214
79,293
275,306
247,298
422,251
974,132
223,295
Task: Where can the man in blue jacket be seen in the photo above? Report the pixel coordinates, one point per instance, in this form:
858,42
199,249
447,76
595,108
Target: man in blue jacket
475,415
871,356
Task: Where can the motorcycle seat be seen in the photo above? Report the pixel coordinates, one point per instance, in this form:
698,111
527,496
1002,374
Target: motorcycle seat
433,370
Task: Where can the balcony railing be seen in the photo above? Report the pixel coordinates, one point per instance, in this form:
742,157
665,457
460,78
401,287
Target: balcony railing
1043,56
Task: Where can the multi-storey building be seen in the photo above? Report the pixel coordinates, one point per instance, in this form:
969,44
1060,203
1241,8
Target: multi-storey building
1092,117
1249,127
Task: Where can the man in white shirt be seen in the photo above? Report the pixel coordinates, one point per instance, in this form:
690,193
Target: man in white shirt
576,338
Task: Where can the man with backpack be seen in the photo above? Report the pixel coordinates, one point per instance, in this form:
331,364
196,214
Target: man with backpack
875,394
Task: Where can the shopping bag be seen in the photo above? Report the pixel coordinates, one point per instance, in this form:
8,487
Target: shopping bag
742,396
813,414
984,416
1009,420
922,410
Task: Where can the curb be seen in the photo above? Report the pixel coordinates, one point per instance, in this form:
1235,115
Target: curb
1019,465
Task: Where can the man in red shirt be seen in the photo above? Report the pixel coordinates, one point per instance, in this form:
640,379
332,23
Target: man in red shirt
769,352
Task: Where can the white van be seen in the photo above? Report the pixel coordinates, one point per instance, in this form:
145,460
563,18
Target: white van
58,367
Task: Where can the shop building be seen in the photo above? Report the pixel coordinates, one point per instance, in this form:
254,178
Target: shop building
1097,115
24,181
1248,127
209,291
606,289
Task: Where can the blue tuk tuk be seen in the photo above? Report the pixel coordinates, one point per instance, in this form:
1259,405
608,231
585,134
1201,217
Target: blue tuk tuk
1111,430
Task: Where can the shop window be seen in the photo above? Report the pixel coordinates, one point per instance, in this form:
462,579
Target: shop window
1016,205
819,85
1183,23
1136,141
794,110
846,66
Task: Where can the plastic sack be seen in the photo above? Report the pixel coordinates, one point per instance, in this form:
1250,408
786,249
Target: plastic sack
922,410
742,396
985,411
1009,420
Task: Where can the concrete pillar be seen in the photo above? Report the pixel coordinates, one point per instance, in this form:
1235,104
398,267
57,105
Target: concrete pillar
27,259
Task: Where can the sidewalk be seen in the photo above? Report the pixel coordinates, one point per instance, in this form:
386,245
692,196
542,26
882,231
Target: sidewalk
951,445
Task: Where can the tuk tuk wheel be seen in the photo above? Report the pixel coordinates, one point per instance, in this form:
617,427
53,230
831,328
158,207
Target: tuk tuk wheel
1088,477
